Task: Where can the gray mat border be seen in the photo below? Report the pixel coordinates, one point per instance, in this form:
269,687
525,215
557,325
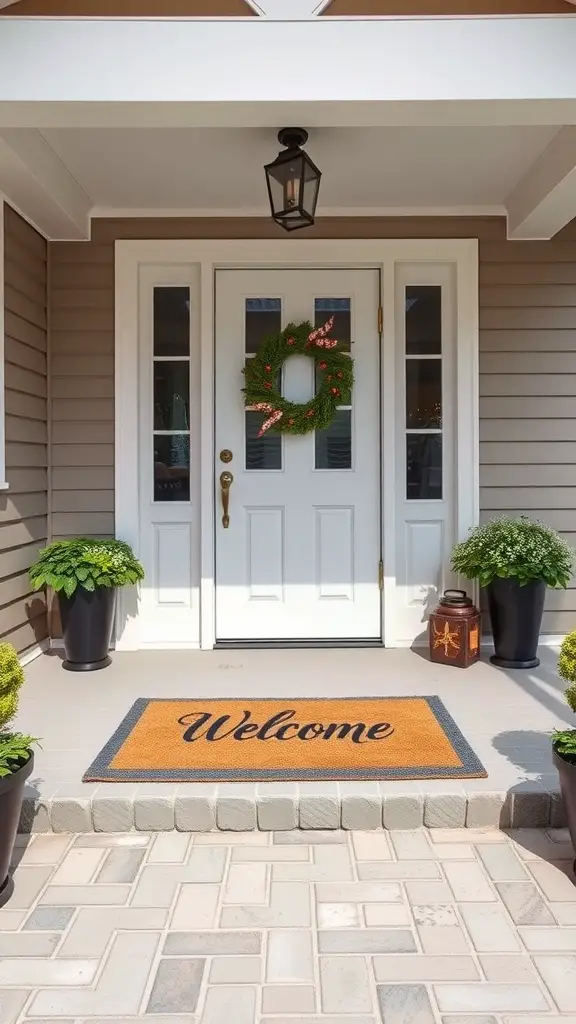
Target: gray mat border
100,771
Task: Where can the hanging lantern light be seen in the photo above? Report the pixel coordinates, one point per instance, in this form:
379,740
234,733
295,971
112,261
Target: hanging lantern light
293,181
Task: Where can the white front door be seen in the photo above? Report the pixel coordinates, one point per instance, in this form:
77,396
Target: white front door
300,558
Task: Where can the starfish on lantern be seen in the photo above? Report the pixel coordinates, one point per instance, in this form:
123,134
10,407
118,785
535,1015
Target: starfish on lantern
447,638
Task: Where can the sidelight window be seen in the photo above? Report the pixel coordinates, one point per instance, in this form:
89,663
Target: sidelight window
423,391
171,391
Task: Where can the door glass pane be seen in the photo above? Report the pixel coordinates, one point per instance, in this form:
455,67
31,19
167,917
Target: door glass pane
171,321
172,467
423,319
263,318
423,466
341,310
334,445
424,393
261,452
171,395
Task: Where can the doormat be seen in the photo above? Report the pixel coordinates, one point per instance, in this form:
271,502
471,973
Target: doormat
292,740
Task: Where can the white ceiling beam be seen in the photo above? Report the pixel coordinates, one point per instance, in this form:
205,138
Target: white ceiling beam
38,184
544,201
391,61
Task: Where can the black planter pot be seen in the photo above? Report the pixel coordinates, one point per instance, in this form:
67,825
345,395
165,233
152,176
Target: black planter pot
87,620
516,616
567,773
11,796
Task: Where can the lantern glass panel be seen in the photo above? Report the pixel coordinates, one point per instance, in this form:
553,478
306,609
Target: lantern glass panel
285,178
310,186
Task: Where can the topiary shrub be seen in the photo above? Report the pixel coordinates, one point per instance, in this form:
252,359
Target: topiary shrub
14,746
11,679
565,740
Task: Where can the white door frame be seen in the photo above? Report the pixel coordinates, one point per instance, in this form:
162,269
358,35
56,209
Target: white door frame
208,255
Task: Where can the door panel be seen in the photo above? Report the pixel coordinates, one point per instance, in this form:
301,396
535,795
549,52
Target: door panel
300,557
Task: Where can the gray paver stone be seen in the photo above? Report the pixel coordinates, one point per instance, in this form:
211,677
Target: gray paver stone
402,810
277,806
236,807
195,808
176,986
71,813
530,806
361,805
113,808
154,812
319,805
445,810
404,1004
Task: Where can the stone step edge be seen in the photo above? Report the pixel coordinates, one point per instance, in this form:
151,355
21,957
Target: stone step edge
278,807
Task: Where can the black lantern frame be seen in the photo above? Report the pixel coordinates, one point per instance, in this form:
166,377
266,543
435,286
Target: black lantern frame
293,182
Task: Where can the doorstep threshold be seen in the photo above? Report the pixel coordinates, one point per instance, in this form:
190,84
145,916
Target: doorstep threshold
240,645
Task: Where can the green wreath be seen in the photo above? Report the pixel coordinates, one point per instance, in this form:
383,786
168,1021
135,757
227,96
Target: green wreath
261,393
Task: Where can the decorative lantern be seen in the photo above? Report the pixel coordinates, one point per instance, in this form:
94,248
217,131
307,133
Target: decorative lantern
455,630
293,181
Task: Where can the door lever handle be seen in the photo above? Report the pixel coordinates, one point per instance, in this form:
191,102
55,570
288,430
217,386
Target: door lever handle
226,480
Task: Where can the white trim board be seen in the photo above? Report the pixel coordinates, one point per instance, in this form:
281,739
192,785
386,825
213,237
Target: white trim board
385,255
31,653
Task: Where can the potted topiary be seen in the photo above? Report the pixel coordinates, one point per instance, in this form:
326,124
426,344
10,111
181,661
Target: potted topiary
85,573
16,762
515,559
564,741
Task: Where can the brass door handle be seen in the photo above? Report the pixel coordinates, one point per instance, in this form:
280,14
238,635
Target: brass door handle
226,480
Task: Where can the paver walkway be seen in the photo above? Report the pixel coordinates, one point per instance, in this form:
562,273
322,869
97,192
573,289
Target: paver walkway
461,927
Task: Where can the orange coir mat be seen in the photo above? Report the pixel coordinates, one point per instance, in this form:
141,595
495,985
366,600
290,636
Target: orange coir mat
293,740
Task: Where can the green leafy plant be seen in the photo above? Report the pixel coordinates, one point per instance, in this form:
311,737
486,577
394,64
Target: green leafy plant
520,549
85,562
14,746
564,740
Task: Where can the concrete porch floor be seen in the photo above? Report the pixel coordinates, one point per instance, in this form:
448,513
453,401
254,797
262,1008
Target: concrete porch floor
505,716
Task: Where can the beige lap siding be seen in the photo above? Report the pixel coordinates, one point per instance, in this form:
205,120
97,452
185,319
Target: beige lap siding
23,508
528,391
527,364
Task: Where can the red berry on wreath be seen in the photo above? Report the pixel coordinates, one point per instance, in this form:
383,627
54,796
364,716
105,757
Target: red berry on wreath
323,365
335,391
339,375
290,423
268,368
310,412
267,384
290,341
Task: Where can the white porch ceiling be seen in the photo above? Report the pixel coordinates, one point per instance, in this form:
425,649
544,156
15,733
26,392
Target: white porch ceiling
364,169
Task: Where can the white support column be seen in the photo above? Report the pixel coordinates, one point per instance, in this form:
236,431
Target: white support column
544,201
